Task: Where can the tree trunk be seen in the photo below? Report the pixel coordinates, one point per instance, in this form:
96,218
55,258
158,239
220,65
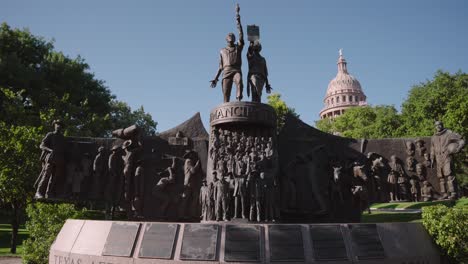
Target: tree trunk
14,226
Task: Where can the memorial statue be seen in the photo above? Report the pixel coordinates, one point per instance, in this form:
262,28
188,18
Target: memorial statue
414,190
115,185
99,172
258,72
268,203
240,192
221,193
420,148
206,201
137,203
160,190
445,143
230,63
53,161
426,192
255,190
133,149
189,194
420,172
395,171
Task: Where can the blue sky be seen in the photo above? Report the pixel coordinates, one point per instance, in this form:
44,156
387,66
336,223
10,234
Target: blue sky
162,54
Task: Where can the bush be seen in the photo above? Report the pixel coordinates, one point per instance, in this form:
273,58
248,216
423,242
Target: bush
44,224
449,229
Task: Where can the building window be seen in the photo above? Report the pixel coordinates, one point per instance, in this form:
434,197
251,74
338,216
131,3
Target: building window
350,98
356,99
337,99
332,101
344,98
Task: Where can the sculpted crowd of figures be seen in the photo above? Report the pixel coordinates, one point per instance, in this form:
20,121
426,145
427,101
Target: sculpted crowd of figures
244,182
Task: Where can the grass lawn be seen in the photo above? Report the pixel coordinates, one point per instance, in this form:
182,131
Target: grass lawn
411,205
5,236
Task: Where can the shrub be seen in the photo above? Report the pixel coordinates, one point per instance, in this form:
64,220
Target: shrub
44,224
449,229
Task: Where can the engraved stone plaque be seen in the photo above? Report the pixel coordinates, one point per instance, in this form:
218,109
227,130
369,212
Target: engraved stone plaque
199,242
286,243
158,241
121,239
242,243
366,242
328,242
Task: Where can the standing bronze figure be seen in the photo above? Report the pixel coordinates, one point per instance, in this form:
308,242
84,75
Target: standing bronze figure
444,144
53,161
230,63
258,72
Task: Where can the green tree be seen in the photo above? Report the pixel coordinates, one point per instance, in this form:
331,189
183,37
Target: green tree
443,98
122,116
382,121
44,224
38,85
50,85
19,166
281,109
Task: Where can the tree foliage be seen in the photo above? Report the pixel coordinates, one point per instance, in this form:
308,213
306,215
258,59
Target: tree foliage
123,116
44,224
281,108
39,84
448,227
380,121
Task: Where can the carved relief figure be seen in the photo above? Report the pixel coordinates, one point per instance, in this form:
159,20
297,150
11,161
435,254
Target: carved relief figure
410,163
191,168
414,190
160,190
53,161
336,184
99,172
205,201
115,185
230,63
426,192
359,187
420,148
240,192
420,172
395,171
221,192
137,204
445,143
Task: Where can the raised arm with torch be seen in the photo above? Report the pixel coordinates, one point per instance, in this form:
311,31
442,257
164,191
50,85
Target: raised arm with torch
230,63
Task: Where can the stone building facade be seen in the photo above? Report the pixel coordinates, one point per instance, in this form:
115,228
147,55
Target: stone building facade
343,92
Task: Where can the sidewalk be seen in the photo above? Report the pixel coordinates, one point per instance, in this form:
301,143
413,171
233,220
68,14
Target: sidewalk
10,260
396,210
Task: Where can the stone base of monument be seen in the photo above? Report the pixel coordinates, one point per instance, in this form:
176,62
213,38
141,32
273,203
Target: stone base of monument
105,242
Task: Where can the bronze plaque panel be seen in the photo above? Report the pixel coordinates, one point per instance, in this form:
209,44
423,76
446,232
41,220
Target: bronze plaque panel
199,242
242,243
365,241
121,239
328,242
158,241
286,243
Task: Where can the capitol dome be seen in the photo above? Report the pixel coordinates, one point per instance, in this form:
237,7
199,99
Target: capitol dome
343,92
